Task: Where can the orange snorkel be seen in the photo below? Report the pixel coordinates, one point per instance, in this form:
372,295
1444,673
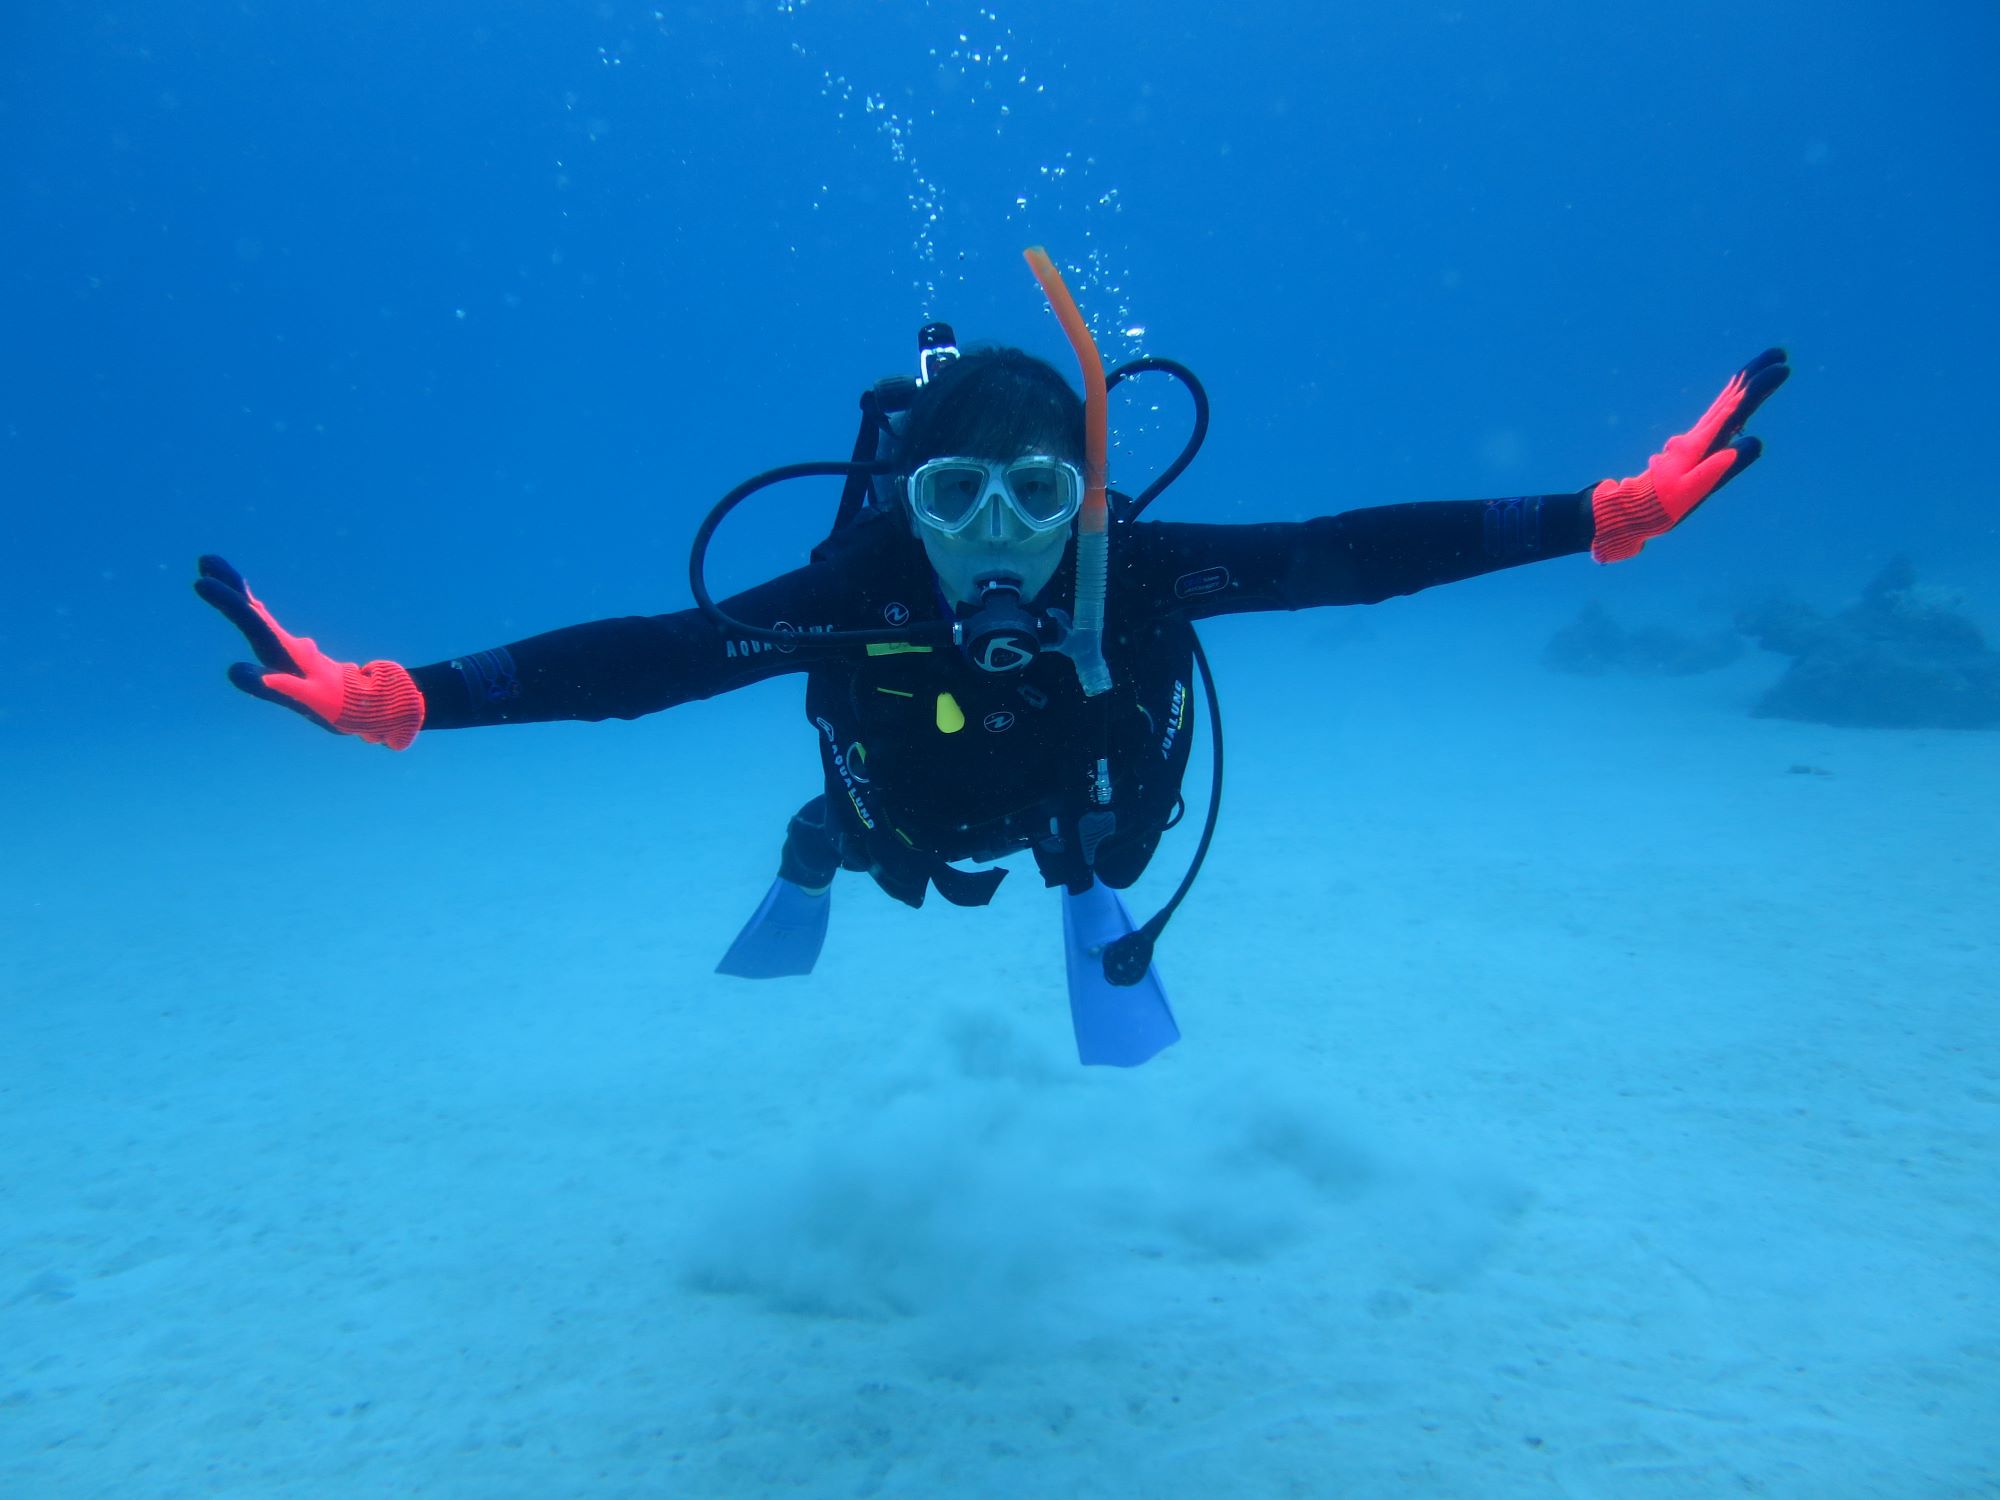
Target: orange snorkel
1096,420
1093,527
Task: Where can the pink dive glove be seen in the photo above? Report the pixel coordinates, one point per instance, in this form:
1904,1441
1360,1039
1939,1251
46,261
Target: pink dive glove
379,702
1693,466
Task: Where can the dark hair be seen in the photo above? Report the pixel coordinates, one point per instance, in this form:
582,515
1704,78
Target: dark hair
994,402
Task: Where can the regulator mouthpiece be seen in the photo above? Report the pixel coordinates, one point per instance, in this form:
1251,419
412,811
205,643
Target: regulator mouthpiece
1001,634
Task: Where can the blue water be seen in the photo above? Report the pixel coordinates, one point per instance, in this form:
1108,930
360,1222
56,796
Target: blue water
447,323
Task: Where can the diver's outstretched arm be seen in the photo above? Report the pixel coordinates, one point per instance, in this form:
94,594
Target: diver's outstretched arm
1379,552
1630,512
606,669
378,702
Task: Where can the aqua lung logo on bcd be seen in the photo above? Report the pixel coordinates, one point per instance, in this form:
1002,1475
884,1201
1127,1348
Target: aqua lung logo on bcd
846,772
896,614
736,648
999,721
1176,720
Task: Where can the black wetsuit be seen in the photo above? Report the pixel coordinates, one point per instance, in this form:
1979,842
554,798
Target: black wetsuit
928,759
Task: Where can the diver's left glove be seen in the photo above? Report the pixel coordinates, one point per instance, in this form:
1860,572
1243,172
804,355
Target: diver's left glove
1693,466
378,702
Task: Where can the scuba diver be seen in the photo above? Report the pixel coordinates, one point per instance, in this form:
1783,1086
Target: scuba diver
999,655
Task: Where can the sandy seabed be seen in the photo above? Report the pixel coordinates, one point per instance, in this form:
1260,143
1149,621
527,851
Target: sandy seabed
1587,1090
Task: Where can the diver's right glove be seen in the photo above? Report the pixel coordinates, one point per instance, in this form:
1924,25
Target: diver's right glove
378,702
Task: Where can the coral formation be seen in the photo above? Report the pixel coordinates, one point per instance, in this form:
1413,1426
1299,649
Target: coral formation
1905,656
1594,644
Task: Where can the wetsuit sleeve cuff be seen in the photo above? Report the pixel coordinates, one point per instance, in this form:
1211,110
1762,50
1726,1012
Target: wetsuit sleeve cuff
1571,523
468,690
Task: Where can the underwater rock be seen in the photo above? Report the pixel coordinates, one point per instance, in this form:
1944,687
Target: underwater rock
1906,656
1594,644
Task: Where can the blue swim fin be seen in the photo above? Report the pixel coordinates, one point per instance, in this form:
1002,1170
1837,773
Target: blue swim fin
1118,1026
784,937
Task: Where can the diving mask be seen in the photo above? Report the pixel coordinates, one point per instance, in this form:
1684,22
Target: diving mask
948,494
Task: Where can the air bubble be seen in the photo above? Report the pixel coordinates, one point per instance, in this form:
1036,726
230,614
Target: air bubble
1063,201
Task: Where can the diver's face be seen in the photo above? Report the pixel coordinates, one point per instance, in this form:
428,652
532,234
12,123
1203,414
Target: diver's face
996,506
